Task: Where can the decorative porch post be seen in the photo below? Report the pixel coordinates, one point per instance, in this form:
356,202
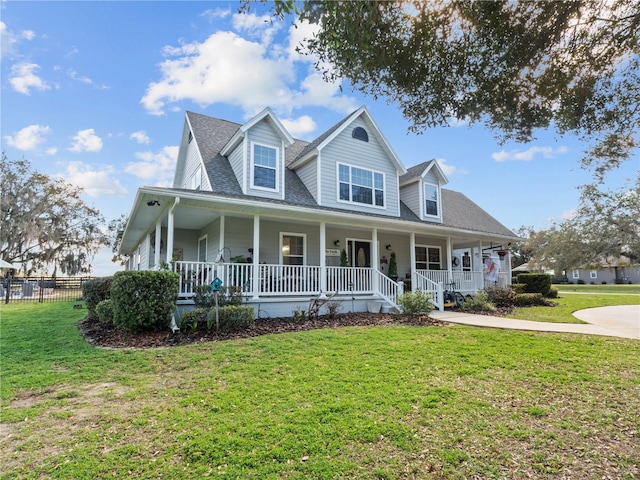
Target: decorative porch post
412,255
375,260
323,260
158,245
221,237
170,231
449,257
255,283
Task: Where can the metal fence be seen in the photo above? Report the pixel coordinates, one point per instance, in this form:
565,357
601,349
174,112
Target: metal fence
42,289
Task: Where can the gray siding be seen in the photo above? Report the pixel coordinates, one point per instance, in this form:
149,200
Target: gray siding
308,173
263,134
369,155
193,162
410,196
237,159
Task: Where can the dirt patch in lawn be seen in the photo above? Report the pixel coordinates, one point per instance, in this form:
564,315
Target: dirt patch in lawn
110,336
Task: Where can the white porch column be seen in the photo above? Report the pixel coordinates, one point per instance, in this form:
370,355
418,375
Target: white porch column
221,239
479,277
323,260
412,255
158,244
170,230
375,259
449,256
255,283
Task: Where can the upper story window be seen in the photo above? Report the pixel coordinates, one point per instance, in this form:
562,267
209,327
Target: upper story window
358,185
431,202
264,167
360,133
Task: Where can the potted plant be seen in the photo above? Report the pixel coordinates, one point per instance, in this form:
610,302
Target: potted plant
393,267
343,258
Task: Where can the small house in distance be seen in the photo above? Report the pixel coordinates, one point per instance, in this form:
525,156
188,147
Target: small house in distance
285,219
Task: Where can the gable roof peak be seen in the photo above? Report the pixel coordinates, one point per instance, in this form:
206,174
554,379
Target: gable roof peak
271,117
420,170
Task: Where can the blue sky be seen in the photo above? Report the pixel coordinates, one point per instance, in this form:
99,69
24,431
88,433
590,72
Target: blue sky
95,92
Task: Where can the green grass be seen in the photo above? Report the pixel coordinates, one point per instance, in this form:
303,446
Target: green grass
363,403
570,302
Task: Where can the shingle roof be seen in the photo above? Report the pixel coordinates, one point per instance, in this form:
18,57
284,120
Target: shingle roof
212,134
415,171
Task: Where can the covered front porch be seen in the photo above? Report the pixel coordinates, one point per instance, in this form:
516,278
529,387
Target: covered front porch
283,255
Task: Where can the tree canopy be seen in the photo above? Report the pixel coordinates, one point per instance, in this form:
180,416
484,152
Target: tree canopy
516,66
45,223
605,230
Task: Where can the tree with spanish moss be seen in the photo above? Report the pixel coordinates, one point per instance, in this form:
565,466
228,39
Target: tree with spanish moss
45,224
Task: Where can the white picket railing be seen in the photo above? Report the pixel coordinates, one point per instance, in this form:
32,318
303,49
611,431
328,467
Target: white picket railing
388,289
349,280
434,289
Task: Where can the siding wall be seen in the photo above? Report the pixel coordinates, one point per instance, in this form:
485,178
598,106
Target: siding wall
410,196
264,134
370,155
308,173
191,164
236,159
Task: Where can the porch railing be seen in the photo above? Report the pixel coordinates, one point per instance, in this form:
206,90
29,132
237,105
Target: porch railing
388,289
434,289
463,281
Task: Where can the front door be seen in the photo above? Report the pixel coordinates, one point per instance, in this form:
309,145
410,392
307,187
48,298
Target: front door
359,253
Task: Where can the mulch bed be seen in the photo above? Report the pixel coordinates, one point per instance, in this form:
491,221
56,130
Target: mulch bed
110,336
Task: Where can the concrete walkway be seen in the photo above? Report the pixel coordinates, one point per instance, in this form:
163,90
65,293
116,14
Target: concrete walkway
620,321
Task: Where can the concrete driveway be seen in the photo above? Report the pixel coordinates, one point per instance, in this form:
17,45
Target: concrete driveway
619,321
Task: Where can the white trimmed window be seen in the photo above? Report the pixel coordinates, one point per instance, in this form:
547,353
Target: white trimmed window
264,167
431,200
428,258
293,248
576,274
593,274
358,185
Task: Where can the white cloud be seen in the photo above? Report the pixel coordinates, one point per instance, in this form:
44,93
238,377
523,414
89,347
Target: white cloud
80,78
140,137
29,137
94,182
214,13
23,78
157,168
254,26
299,127
86,141
527,155
51,151
9,40
227,68
449,169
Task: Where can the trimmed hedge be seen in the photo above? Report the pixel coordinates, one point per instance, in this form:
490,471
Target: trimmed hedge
144,300
232,317
104,310
536,283
95,291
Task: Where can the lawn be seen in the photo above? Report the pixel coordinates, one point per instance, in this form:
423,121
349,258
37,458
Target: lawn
367,403
572,298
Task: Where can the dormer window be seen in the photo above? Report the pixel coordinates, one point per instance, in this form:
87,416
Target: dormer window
264,171
431,200
360,134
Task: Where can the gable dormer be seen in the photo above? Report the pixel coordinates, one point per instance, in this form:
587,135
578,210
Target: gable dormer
352,167
420,190
256,153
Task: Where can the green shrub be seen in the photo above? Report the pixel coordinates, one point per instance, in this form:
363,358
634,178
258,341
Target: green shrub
580,282
104,310
500,296
415,303
193,319
535,282
205,297
144,300
478,303
528,300
518,287
96,290
553,293
234,317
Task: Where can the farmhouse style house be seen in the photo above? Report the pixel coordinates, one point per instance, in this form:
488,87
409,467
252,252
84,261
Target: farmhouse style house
286,220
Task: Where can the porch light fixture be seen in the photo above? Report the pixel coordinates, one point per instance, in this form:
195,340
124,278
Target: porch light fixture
152,203
337,243
388,247
250,250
